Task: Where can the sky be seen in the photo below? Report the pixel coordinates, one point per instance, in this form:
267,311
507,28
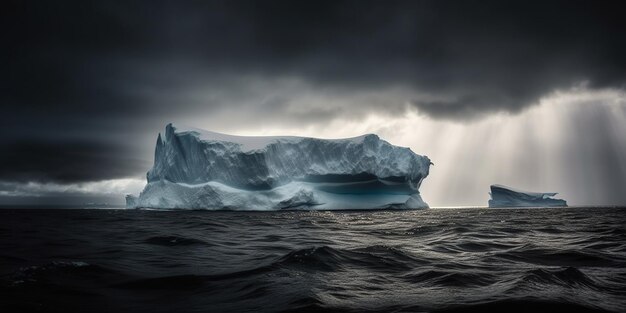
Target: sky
522,93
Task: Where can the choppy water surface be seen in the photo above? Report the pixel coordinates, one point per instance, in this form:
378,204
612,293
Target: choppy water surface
401,261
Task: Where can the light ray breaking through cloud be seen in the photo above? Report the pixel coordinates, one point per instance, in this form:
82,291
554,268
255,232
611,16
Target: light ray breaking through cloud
491,92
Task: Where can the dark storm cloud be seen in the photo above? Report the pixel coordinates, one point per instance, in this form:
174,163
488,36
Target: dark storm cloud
65,162
82,81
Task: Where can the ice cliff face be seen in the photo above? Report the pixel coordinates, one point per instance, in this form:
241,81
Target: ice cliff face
503,196
196,169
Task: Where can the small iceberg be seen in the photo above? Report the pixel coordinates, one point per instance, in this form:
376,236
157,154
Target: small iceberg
503,196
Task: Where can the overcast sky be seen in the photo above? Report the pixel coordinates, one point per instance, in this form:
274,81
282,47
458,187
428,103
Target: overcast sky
523,93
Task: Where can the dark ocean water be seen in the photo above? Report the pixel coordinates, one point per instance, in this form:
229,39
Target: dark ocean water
389,261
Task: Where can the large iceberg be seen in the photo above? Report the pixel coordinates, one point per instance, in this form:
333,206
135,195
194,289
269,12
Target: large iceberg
503,196
198,169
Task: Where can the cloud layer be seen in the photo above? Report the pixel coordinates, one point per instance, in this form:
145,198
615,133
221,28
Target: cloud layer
86,86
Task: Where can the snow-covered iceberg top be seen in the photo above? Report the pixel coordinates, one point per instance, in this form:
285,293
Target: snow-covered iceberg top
194,169
503,196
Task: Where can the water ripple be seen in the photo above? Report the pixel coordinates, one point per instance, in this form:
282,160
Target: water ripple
452,260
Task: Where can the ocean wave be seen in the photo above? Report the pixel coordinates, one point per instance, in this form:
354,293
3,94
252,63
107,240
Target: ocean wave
470,260
556,257
180,282
523,305
569,277
443,278
324,258
57,272
170,241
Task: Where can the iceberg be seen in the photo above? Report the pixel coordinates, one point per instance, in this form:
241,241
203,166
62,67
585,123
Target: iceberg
503,196
199,169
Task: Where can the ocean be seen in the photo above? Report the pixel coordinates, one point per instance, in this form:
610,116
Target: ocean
435,260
